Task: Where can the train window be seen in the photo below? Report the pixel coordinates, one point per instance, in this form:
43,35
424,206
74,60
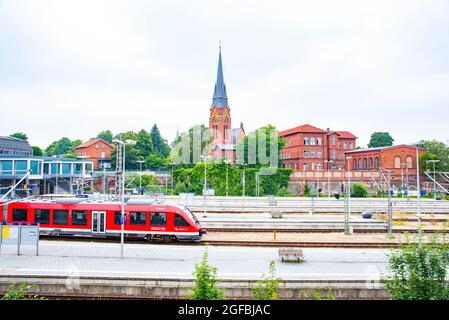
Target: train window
60,217
42,216
79,218
158,219
117,216
19,215
180,221
139,218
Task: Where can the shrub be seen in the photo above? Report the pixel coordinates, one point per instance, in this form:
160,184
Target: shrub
206,281
283,192
267,288
358,190
19,293
419,272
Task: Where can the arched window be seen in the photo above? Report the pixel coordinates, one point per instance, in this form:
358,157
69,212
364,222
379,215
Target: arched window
360,164
370,162
409,162
377,162
365,163
397,162
355,164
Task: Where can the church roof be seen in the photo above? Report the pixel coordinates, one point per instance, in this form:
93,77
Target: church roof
220,98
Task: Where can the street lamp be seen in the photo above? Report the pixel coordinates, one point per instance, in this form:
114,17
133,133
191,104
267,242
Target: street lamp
205,181
328,177
419,197
122,144
140,176
348,209
434,179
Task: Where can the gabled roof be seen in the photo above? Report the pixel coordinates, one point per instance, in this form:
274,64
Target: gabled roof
384,148
15,144
305,128
91,142
346,135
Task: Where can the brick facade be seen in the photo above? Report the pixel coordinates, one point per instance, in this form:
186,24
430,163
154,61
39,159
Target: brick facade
96,150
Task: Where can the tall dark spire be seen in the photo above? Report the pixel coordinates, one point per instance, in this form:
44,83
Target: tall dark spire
220,98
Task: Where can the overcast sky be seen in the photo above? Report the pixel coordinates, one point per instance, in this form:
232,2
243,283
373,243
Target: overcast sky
74,68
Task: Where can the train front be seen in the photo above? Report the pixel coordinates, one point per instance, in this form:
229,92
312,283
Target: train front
201,230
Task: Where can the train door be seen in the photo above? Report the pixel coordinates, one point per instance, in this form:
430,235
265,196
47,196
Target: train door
98,221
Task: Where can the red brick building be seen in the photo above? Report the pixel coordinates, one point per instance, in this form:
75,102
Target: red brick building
97,150
225,138
308,148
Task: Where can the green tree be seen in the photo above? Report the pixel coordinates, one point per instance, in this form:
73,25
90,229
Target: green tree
268,288
106,136
37,151
206,281
190,139
133,180
434,150
160,145
380,139
153,162
418,272
358,190
132,154
20,135
61,146
144,144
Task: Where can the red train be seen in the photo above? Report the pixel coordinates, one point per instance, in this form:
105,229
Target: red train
80,216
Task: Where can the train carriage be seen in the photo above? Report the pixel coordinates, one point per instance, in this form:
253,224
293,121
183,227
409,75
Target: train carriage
77,216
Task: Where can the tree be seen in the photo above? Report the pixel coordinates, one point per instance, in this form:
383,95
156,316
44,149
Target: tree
418,272
358,190
160,145
144,144
206,281
380,139
188,146
132,154
434,150
106,136
59,147
37,151
20,135
153,162
268,288
134,180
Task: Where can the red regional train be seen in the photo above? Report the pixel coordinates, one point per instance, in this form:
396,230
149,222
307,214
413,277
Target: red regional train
80,216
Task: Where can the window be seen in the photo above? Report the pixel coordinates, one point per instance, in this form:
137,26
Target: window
96,146
66,168
77,168
19,215
312,141
360,164
377,162
409,162
354,165
334,166
20,165
6,166
365,163
117,216
42,216
318,141
306,167
180,221
138,218
319,154
345,145
158,219
339,145
306,153
306,141
371,162
54,168
351,146
79,218
334,155
319,167
397,162
333,141
103,154
60,216
312,154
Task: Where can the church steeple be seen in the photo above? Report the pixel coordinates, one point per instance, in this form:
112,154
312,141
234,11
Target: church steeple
220,99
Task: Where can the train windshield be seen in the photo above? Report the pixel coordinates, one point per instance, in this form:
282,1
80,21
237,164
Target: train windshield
191,215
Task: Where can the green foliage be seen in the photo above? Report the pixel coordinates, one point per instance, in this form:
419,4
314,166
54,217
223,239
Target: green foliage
193,179
270,134
37,151
154,162
283,192
19,292
268,288
133,180
306,189
62,146
160,145
106,135
197,137
418,272
330,294
358,190
20,135
434,150
380,139
206,281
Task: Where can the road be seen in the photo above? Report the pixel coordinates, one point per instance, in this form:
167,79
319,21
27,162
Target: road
67,258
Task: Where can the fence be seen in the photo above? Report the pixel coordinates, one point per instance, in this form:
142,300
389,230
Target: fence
24,234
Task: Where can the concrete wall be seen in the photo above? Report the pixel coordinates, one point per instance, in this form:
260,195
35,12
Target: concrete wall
103,287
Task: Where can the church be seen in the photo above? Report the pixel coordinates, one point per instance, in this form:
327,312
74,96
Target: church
225,138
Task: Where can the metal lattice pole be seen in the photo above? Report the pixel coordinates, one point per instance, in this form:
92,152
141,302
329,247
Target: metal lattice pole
347,232
119,170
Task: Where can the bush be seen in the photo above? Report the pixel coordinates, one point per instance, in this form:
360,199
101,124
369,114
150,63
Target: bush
358,190
306,190
206,281
283,192
268,288
419,272
19,293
